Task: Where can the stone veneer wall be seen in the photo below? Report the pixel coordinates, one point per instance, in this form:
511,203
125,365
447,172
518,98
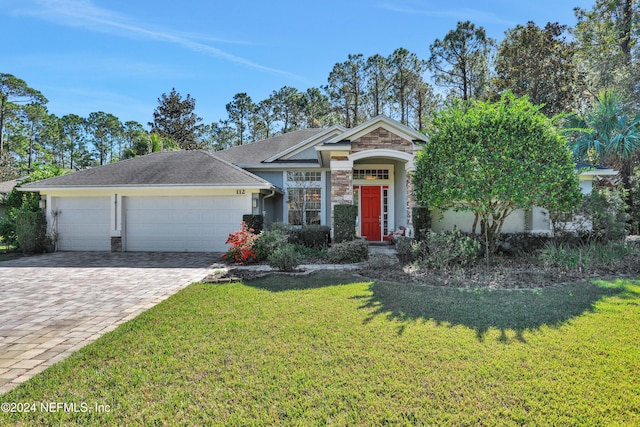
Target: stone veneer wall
341,188
381,139
411,199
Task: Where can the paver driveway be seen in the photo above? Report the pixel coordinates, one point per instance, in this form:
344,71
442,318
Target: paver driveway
51,305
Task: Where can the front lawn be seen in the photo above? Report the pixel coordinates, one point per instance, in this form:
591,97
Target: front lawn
332,349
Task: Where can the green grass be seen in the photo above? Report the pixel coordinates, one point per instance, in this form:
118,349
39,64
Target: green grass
332,350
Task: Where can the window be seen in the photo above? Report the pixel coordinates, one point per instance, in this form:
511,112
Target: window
305,205
304,176
385,211
304,197
371,174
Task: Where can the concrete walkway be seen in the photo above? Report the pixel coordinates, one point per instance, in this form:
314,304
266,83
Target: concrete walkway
52,305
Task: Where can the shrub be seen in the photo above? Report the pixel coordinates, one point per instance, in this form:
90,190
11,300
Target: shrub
16,203
448,249
311,255
344,222
241,250
522,243
255,222
280,226
8,228
285,258
268,241
608,211
311,236
410,249
31,230
590,255
601,216
421,222
634,196
348,252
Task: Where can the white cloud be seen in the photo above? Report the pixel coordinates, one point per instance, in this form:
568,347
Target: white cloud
460,14
84,14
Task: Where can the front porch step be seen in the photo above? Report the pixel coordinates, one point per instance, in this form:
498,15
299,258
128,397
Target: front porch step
384,252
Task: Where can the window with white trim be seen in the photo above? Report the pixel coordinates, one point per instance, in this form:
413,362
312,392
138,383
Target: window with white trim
371,174
304,197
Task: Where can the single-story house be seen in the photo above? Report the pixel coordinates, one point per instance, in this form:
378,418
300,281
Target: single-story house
192,200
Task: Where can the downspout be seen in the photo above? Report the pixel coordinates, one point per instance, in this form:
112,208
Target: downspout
264,212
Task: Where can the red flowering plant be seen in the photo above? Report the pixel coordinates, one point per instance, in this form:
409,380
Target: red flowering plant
241,250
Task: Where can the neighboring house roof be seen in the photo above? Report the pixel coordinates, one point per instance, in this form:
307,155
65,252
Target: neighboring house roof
166,168
7,186
587,169
257,152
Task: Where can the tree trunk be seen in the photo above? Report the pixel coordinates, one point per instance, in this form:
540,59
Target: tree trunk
3,101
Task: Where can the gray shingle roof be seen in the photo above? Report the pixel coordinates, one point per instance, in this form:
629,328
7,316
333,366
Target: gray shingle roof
257,152
7,186
183,168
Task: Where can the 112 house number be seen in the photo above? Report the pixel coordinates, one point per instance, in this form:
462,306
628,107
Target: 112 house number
240,192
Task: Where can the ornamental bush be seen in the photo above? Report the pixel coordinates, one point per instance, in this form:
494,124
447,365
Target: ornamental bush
31,229
421,221
285,258
344,222
348,252
242,246
450,249
269,241
311,236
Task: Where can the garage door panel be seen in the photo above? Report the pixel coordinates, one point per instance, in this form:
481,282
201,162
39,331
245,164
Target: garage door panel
83,223
195,224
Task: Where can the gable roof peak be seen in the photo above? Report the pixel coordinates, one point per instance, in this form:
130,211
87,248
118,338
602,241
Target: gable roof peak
377,122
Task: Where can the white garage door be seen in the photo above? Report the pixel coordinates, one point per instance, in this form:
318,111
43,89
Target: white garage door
83,223
177,224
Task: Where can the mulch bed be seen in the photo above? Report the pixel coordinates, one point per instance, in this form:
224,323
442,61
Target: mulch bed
503,273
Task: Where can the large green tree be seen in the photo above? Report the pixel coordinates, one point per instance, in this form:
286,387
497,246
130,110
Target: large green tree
13,89
379,73
240,111
174,118
494,158
317,108
461,60
34,117
607,37
406,71
8,171
220,135
346,89
73,129
105,131
540,63
288,108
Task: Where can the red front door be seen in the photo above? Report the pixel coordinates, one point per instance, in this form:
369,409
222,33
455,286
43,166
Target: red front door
371,213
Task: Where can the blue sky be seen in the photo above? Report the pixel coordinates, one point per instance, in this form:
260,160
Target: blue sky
119,56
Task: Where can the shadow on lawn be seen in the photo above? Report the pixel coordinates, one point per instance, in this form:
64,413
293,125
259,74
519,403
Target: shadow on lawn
321,279
482,309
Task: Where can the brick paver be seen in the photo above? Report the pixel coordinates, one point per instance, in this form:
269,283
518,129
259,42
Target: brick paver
52,305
